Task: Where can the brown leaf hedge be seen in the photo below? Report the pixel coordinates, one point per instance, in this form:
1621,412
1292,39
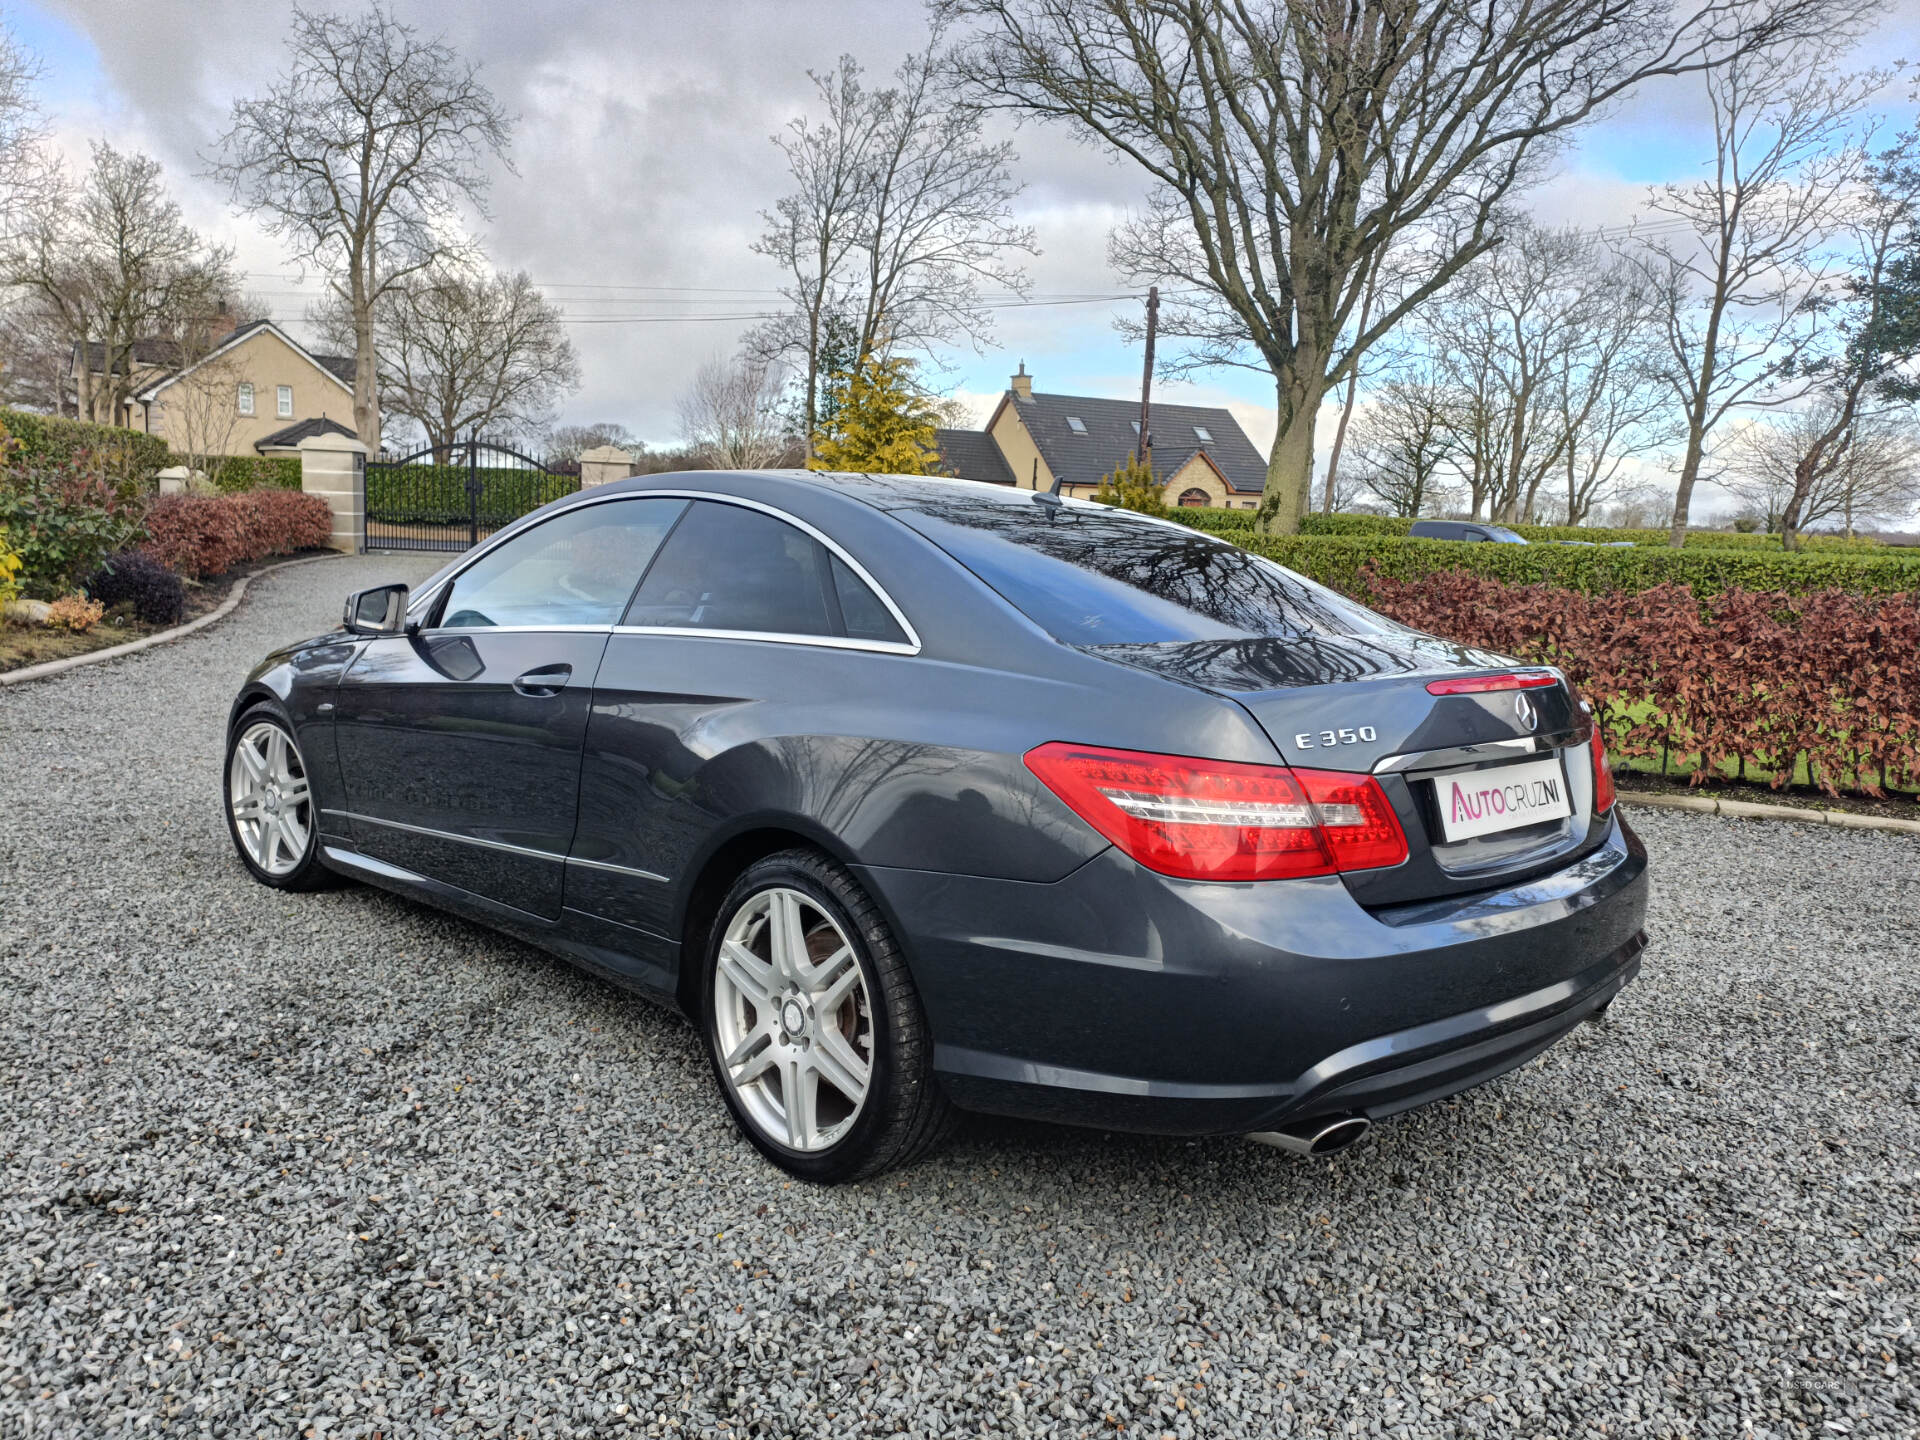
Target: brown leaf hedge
199,535
1741,681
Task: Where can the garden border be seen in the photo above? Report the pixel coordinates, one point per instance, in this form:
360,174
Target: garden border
47,669
1748,810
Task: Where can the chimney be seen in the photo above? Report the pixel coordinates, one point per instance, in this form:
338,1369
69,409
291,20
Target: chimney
1023,383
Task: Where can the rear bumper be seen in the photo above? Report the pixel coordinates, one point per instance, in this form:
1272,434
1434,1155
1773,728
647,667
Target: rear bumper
1122,999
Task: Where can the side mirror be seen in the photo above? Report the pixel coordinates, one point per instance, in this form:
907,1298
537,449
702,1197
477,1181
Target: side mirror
380,611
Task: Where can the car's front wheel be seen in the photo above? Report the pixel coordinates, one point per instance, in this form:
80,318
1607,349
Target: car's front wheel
814,1026
269,804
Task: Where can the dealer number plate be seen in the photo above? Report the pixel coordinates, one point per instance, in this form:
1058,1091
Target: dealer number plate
1481,802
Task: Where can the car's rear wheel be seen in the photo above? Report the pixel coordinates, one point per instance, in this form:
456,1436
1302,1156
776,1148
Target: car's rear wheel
814,1026
269,804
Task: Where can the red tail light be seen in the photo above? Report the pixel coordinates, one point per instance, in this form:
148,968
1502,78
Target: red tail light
1218,820
1480,684
1603,794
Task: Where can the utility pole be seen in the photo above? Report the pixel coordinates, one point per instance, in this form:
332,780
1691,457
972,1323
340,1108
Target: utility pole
1146,379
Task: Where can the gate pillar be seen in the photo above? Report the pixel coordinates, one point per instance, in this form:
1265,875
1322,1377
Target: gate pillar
334,467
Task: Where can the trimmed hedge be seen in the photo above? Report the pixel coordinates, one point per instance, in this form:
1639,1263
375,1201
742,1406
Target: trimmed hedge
200,535
119,455
437,494
1546,534
257,472
1751,683
1339,562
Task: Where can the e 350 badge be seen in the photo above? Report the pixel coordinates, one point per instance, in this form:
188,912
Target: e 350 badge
1343,736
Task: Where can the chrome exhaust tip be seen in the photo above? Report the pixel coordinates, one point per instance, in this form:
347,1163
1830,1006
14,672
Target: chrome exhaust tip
1324,1136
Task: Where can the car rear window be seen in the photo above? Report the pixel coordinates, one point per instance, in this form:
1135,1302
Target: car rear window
1090,575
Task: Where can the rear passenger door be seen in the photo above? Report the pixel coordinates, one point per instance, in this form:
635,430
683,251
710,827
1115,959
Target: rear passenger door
742,608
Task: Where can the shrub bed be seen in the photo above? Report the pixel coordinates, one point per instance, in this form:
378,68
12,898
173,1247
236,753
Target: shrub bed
137,580
62,520
120,456
1757,683
200,535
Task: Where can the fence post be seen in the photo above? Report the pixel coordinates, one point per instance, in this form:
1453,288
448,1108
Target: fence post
604,463
334,467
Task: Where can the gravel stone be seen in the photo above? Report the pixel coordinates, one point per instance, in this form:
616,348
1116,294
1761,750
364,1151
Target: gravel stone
337,1165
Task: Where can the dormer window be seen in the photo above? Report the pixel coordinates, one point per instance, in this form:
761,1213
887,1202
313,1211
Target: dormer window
1076,425
1136,427
1206,438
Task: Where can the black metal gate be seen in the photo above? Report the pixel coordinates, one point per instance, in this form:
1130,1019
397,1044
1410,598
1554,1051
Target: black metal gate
451,497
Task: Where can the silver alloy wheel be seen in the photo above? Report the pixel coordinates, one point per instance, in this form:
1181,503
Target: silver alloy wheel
268,796
793,1019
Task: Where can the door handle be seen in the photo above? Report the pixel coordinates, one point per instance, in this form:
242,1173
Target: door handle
544,683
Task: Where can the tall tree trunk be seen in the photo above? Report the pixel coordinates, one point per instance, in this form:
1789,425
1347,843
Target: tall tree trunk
1701,398
1300,387
1340,437
366,380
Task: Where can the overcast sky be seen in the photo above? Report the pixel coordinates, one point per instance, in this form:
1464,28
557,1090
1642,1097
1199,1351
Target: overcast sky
642,159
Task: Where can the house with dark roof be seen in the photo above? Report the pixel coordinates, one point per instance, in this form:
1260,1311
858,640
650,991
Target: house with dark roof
251,390
1034,440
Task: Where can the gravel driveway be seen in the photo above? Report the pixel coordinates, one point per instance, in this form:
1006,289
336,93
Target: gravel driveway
336,1165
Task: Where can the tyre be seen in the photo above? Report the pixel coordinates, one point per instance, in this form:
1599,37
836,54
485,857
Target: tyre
813,1024
269,805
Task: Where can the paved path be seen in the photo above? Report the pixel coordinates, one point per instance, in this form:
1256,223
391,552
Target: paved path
336,1165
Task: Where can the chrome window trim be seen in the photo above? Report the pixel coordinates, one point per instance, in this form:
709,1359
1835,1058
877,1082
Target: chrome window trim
450,630
832,642
425,600
447,835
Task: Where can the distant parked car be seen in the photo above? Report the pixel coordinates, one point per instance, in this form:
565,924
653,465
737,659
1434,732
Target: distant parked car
1464,530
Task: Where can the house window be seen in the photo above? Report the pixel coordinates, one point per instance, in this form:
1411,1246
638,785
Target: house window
1136,427
1205,437
1076,424
246,397
284,399
1194,497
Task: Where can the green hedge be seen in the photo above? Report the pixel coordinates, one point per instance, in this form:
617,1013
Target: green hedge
437,494
1317,524
123,455
1338,560
257,472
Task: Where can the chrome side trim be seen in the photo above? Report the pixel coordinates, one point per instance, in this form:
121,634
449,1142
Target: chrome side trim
617,869
832,642
354,860
447,835
423,602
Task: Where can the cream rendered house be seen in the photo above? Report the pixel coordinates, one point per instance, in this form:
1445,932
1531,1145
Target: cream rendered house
257,392
1034,440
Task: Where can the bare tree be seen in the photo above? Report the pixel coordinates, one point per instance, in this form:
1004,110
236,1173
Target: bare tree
1613,407
109,268
359,157
1405,440
1736,270
24,168
567,443
730,415
902,218
1875,477
463,353
1875,338
1289,141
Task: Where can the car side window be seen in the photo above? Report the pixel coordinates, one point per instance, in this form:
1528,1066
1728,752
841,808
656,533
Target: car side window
866,617
578,568
728,567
